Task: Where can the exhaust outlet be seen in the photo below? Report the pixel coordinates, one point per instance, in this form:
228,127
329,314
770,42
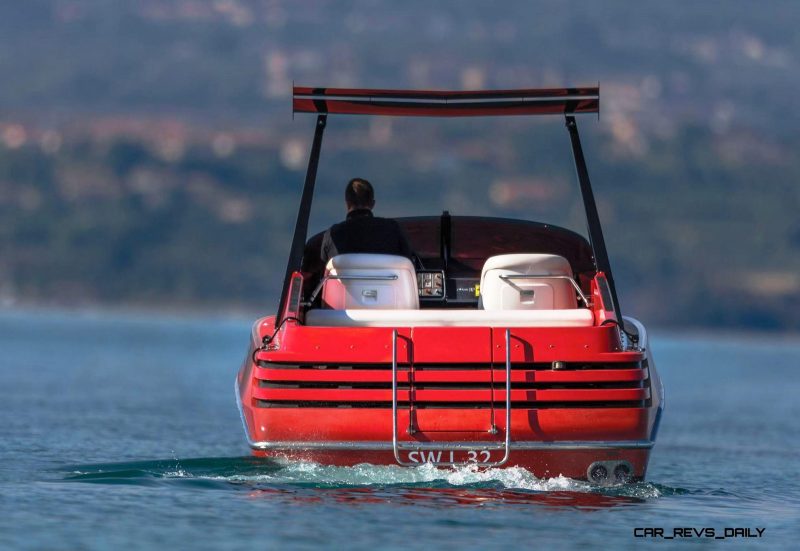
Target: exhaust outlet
610,472
622,472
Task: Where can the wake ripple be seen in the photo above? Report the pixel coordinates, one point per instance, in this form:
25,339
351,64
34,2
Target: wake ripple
270,476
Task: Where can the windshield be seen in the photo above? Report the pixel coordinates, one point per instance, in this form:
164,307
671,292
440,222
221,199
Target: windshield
473,239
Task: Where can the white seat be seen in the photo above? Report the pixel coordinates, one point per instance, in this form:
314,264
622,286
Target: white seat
579,317
370,281
504,285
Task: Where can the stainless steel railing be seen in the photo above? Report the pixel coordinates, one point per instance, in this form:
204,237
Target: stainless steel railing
508,278
319,286
398,446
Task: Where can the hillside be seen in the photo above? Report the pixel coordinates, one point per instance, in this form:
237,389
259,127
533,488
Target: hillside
148,155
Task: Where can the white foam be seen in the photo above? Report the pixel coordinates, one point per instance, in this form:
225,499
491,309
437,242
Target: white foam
377,475
286,472
364,474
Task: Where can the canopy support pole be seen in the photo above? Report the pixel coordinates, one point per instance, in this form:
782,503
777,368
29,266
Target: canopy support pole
596,239
301,226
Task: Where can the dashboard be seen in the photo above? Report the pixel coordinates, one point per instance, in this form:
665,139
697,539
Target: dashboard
436,289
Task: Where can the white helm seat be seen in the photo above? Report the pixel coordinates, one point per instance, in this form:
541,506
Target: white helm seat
370,281
527,282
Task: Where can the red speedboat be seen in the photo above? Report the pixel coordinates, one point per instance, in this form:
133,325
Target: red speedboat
503,346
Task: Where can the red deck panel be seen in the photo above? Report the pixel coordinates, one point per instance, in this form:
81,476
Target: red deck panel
467,345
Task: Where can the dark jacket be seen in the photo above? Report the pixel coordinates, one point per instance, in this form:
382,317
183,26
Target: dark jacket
362,232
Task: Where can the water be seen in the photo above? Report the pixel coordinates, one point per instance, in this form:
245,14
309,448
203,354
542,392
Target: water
122,432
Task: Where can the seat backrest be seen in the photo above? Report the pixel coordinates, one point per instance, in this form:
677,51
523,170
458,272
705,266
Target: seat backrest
503,286
370,281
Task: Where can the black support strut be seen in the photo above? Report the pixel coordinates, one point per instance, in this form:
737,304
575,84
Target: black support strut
596,239
301,226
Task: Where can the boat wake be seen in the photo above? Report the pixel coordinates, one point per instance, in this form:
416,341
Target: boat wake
365,483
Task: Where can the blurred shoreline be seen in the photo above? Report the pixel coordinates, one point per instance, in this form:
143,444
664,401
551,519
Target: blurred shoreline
149,158
133,312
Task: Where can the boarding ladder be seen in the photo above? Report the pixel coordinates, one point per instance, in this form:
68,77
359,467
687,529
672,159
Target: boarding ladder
398,446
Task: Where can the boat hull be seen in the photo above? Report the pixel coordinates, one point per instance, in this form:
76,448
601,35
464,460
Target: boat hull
568,434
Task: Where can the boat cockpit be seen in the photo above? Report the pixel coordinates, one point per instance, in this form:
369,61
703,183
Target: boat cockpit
467,271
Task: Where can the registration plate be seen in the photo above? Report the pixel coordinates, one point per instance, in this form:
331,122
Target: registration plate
449,456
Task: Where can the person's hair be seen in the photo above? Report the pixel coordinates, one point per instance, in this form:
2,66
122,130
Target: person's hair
359,194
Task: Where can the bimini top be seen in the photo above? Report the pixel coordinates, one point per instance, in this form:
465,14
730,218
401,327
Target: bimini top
428,103
566,102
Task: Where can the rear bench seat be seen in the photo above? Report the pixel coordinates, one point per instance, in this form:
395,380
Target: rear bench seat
518,290
576,317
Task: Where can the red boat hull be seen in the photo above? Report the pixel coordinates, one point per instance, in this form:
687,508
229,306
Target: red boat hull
296,405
